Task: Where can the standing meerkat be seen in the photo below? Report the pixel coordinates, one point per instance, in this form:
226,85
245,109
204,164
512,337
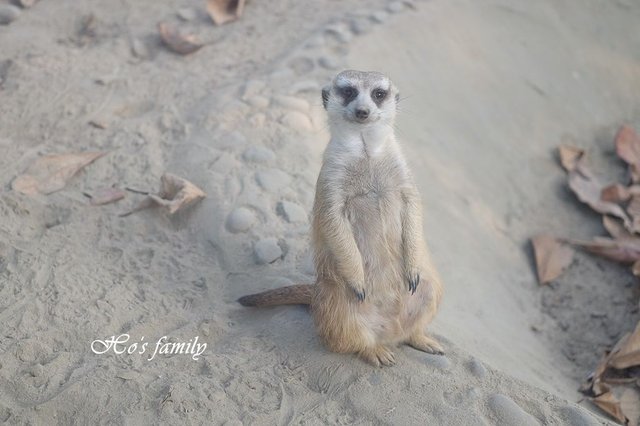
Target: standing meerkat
376,286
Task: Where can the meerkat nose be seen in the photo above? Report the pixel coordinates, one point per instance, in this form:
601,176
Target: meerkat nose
362,113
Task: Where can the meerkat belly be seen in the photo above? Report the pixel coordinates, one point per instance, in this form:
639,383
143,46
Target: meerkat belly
376,222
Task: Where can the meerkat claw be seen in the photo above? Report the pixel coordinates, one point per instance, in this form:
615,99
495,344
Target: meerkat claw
413,283
360,294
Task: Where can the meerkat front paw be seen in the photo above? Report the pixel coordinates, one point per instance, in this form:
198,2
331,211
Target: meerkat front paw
358,290
413,278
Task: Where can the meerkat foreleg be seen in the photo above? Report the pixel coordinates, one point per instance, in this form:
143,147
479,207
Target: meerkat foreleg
338,236
424,343
411,237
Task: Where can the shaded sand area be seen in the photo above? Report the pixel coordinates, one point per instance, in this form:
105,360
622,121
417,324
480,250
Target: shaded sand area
489,90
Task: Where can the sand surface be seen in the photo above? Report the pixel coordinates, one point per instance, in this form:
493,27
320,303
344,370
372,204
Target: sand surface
489,89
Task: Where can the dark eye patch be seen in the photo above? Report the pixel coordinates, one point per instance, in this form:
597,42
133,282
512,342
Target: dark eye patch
378,95
348,94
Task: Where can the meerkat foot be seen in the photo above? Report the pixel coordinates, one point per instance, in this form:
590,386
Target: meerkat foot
425,343
380,355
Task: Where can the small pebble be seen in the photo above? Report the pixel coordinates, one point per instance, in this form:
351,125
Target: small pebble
379,17
301,65
304,86
8,14
267,250
440,362
576,416
297,121
340,33
328,62
395,6
252,88
508,413
258,102
240,220
258,120
273,179
258,154
291,212
477,369
291,102
360,26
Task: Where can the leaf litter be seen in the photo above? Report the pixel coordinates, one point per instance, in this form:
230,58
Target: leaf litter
614,385
175,194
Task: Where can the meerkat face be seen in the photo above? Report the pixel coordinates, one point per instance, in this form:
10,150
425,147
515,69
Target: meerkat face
361,98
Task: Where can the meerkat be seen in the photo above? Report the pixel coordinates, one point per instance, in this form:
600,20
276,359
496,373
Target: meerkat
376,286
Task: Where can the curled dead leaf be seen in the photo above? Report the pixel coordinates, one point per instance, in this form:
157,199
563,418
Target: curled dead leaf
615,228
175,194
588,190
627,144
627,351
570,157
106,195
552,257
615,193
608,403
52,172
177,42
223,11
625,251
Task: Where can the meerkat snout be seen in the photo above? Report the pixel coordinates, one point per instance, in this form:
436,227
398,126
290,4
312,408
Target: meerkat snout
360,97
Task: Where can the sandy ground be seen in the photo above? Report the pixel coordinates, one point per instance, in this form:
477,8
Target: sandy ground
489,89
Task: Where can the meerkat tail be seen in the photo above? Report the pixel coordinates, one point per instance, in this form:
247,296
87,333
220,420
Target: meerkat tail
291,295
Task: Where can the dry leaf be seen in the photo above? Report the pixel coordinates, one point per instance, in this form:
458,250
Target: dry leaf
179,43
175,194
624,250
633,209
609,404
50,173
570,157
628,148
223,11
615,193
627,353
615,228
588,190
106,195
552,257
630,405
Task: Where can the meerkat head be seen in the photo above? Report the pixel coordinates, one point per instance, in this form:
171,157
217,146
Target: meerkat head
361,98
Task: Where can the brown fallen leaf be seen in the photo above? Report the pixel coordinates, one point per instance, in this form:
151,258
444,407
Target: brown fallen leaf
608,403
633,209
175,194
177,42
625,251
50,173
552,257
627,353
615,228
628,149
570,157
588,190
223,11
106,195
630,405
615,193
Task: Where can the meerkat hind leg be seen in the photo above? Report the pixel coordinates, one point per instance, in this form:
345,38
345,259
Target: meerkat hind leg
378,355
424,343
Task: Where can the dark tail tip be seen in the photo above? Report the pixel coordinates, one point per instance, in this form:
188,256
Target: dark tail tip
249,300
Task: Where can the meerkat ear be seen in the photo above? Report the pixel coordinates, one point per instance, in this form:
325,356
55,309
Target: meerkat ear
325,96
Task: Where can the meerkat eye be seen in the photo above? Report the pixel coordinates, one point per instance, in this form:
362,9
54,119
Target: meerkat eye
348,92
379,94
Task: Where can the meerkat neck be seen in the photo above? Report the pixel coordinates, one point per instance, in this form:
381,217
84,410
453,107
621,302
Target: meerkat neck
369,140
